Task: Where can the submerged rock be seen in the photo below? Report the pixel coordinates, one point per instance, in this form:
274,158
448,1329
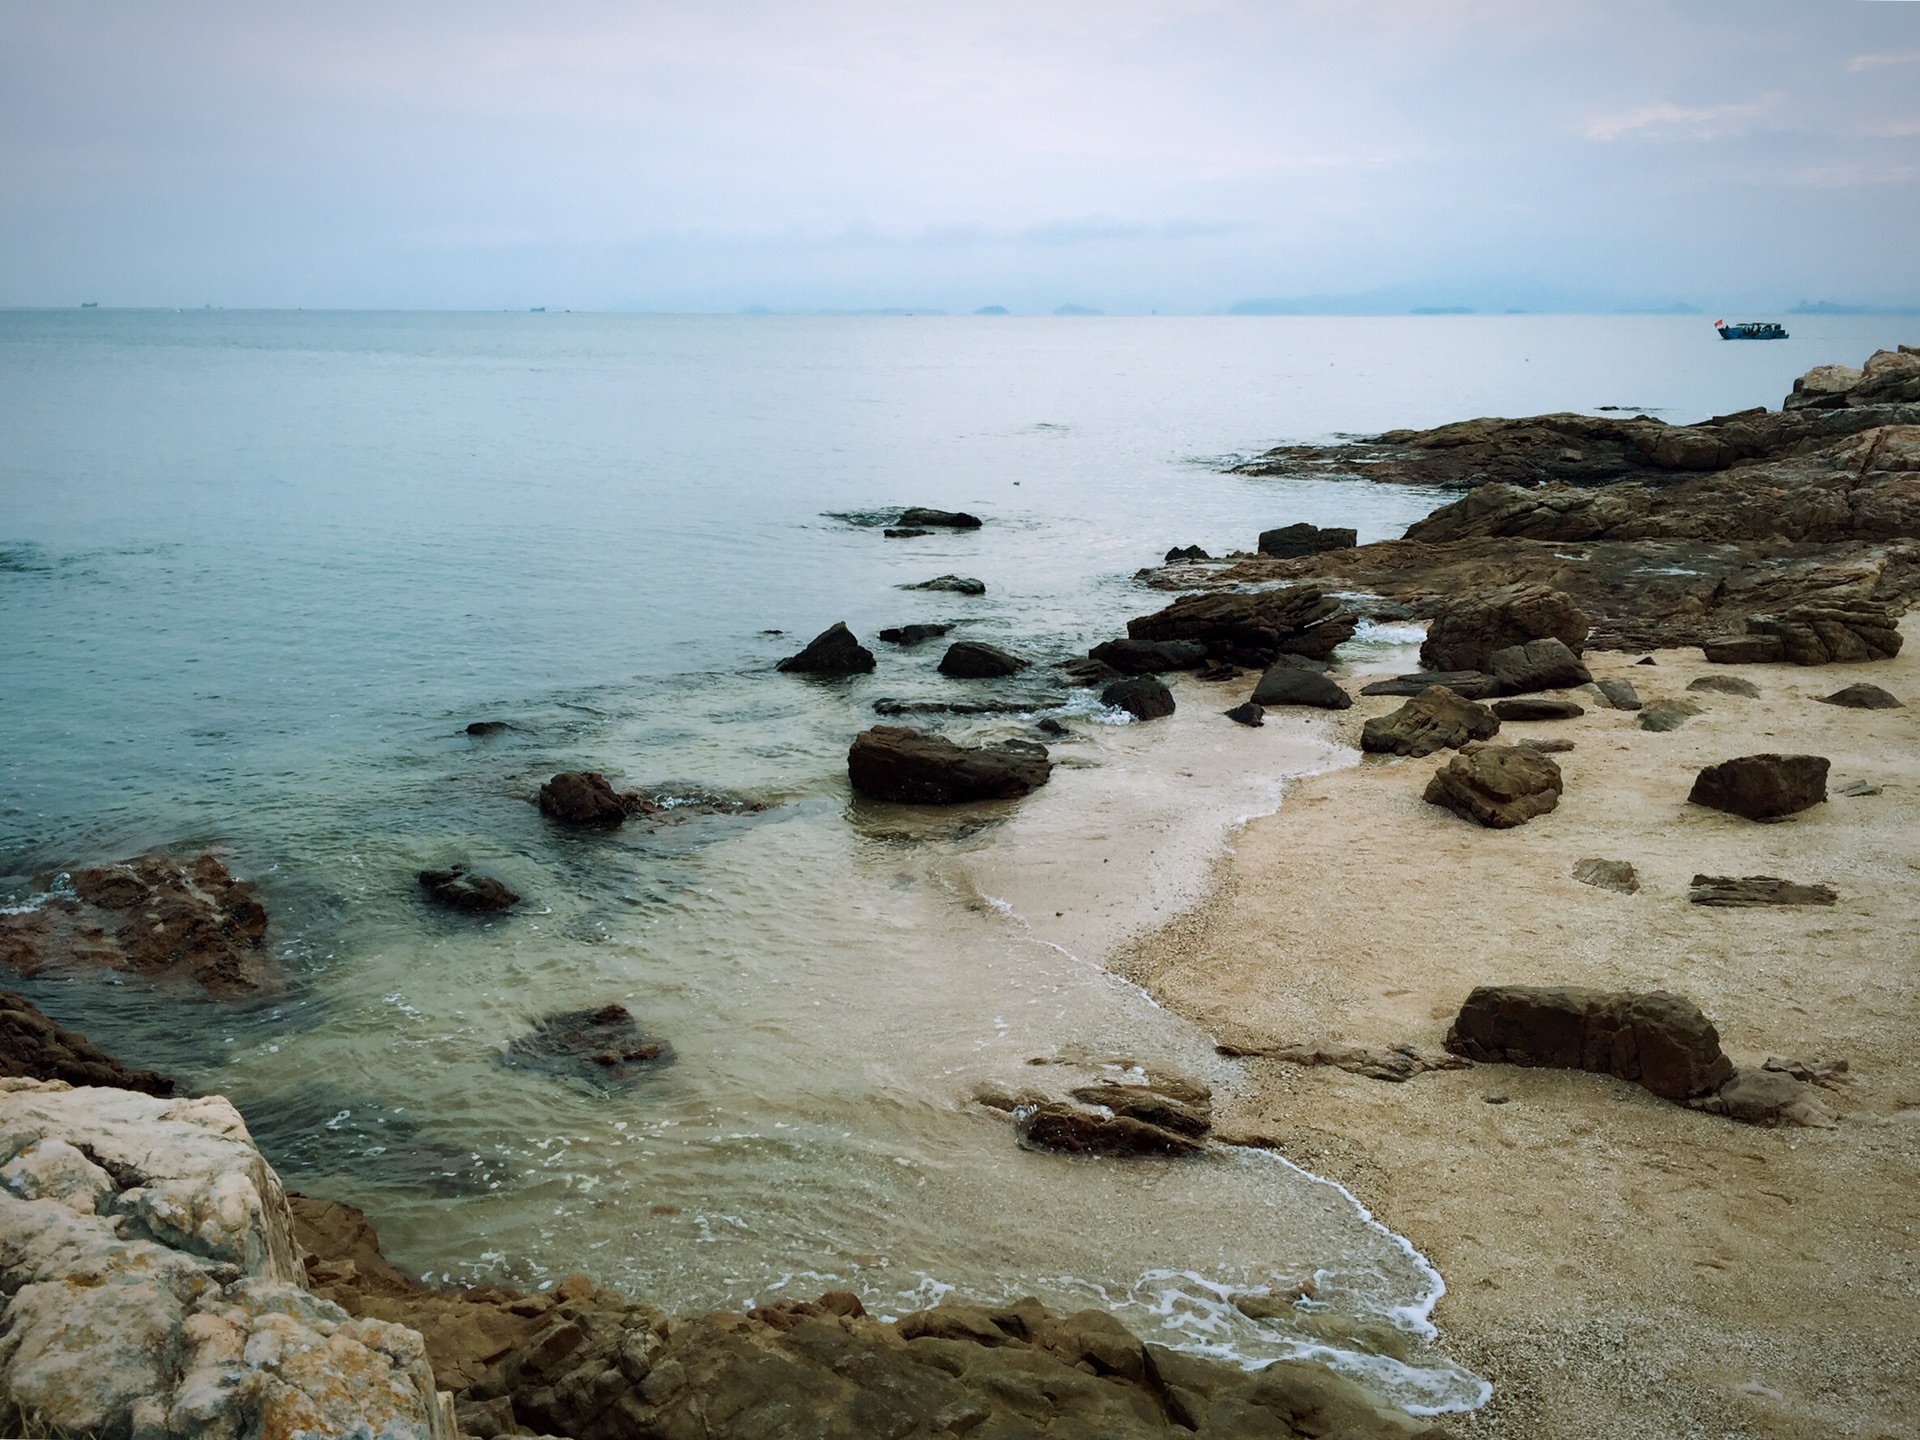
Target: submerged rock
834,651
1498,786
907,533
977,660
942,519
1145,697
955,584
458,888
33,1047
1657,1039
1069,1130
602,1048
487,727
1290,541
913,634
587,799
1738,891
911,767
1467,633
1147,1103
1762,787
1435,719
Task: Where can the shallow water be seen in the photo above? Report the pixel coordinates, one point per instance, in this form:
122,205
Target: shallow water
257,572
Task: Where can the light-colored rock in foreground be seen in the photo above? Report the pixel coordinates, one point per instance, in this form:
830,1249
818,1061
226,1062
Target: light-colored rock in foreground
155,1290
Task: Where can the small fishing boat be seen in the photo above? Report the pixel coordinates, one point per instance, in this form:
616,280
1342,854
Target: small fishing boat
1750,330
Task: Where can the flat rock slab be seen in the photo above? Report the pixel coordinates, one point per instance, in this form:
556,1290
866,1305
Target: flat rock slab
1762,787
1620,694
1498,786
1145,697
603,1049
1863,697
834,651
1538,708
1726,685
1435,719
458,888
1616,875
1657,1039
953,584
1468,684
912,767
1665,715
1731,891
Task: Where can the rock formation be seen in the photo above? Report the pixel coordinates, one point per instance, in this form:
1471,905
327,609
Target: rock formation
1149,657
913,634
834,651
1658,1040
1253,629
32,1047
1145,697
587,800
977,660
1435,719
921,515
1862,697
1729,891
1466,633
1828,633
1762,787
1545,664
911,767
1293,540
601,1048
1498,786
458,888
953,584
1285,684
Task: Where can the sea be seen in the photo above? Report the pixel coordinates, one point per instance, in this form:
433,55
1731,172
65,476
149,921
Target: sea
259,571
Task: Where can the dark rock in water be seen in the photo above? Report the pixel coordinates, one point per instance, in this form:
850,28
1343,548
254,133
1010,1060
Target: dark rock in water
1657,1039
834,651
152,916
1620,694
1726,685
1069,1130
1863,697
1085,670
1533,708
911,767
460,889
943,519
976,660
1148,657
318,1128
1498,786
1148,1104
1537,665
913,634
1253,629
955,584
1665,715
602,1048
1051,726
487,727
1732,892
585,798
1468,684
1247,714
1291,541
899,534
1145,697
1213,674
1186,552
1016,705
1284,684
1762,787
1616,875
32,1047
1435,719
1465,635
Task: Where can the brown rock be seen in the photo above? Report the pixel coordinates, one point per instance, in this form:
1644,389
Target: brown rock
911,767
458,888
1726,685
1253,629
1498,786
34,1048
586,799
1862,697
1830,634
1730,892
1469,684
1070,1130
1616,875
1657,1039
1292,540
1147,1104
1285,684
1435,719
1148,657
1762,787
1537,665
602,1049
1769,1098
976,660
1465,635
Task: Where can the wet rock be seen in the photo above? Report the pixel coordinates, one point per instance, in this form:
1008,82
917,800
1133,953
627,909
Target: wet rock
603,1049
1285,684
897,533
1186,552
1726,685
587,799
1070,1130
1729,891
1538,709
941,519
1290,541
1656,1039
151,916
487,727
1050,726
1215,673
1465,635
1616,875
1145,697
1087,671
834,651
1498,786
976,660
1468,684
1537,665
1768,1098
913,634
911,767
1762,787
955,584
1253,629
1862,697
1247,713
32,1047
1435,719
458,888
1146,1103
1149,657
1620,694
1665,715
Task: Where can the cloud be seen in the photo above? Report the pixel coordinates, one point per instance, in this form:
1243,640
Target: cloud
1667,120
1861,64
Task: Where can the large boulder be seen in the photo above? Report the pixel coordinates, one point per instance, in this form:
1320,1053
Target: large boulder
1253,629
1498,786
1145,697
1465,635
1817,633
586,799
911,767
1287,684
154,1287
1435,719
1537,665
1824,387
153,916
921,515
32,1047
834,651
977,660
1762,787
1149,657
1292,541
1657,1039
1890,377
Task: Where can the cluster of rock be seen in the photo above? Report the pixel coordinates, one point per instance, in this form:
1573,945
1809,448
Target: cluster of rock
1122,1109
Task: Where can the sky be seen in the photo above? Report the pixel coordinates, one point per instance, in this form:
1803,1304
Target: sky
1184,156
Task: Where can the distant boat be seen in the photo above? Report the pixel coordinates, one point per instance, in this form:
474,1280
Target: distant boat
1750,330
89,304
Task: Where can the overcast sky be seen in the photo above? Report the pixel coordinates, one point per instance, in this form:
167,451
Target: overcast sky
1179,155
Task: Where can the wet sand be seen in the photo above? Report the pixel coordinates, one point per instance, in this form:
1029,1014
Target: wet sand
1616,1266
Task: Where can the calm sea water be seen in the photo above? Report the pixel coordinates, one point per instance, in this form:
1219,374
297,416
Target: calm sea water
258,571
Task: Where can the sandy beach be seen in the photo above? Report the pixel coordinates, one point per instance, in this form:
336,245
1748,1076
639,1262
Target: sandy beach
1616,1265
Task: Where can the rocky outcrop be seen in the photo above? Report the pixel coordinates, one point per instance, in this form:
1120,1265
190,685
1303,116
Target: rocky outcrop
1435,719
1395,1064
923,516
1657,1039
1890,377
1729,891
1290,541
153,1286
1769,1098
1816,634
1145,697
911,767
977,660
458,888
32,1047
1466,634
1073,1130
834,651
1186,552
1286,684
1149,657
171,919
1253,629
587,800
1762,787
953,584
1863,697
602,1049
913,634
1498,786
